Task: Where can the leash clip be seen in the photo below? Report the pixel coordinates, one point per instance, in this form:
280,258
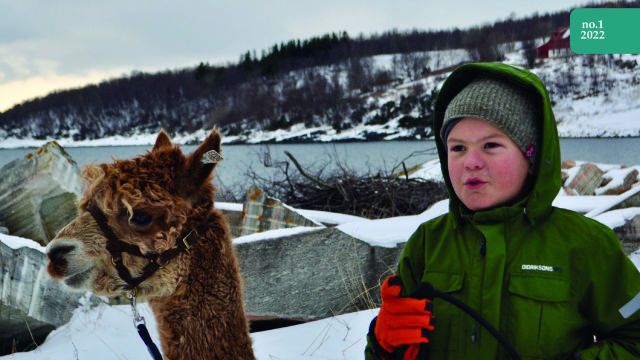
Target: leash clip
137,318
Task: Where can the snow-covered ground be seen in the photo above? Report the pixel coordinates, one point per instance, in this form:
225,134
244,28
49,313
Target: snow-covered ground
105,332
101,331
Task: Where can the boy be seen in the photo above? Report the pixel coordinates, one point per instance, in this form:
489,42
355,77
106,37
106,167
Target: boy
548,279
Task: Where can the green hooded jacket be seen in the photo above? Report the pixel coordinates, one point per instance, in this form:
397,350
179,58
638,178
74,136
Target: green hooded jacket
548,279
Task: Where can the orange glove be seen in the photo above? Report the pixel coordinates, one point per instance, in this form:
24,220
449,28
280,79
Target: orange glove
402,324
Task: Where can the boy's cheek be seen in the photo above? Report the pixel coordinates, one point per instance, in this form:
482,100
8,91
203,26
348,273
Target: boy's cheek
454,169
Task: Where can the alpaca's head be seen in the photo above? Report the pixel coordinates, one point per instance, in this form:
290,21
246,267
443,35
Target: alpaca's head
151,202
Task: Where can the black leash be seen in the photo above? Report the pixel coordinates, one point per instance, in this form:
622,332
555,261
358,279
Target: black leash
151,346
426,291
141,325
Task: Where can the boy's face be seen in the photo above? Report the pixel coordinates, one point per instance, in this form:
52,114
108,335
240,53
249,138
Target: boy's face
486,168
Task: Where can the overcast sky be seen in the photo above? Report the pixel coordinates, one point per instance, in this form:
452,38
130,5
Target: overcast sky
47,45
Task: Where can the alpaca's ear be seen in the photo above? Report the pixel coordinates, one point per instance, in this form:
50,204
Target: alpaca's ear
204,159
162,141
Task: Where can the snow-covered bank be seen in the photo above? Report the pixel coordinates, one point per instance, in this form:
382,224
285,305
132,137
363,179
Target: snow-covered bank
102,332
625,123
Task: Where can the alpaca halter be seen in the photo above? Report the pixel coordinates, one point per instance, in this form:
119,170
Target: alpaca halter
116,247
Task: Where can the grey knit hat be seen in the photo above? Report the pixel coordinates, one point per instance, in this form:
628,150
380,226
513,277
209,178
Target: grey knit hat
501,103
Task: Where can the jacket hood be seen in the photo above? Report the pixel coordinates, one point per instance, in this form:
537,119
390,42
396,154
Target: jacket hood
547,181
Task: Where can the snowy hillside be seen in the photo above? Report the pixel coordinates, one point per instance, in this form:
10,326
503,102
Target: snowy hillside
592,96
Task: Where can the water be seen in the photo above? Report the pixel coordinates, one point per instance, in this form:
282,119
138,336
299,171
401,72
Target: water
363,158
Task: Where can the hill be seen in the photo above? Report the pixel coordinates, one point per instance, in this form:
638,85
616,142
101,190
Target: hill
328,88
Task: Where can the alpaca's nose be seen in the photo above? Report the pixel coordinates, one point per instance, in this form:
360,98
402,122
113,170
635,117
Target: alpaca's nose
56,252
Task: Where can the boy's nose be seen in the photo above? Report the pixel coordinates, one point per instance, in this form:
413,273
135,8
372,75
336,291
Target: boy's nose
473,160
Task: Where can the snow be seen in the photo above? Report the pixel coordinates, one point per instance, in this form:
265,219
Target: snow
272,234
339,337
16,242
101,331
106,332
389,232
429,170
329,218
228,206
616,218
97,333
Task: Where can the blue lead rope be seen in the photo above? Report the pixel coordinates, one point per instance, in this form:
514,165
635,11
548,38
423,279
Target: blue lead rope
151,346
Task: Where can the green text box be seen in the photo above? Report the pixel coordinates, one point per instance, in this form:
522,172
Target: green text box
605,31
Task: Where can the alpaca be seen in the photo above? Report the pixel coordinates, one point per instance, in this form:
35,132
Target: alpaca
172,248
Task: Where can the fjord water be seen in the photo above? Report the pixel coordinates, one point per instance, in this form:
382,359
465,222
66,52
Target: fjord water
361,157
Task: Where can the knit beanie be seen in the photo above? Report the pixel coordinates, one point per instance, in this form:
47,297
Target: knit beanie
501,103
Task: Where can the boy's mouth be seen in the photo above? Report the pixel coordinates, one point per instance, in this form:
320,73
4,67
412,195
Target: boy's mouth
474,183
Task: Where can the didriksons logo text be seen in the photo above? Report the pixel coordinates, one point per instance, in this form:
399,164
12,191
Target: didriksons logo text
541,268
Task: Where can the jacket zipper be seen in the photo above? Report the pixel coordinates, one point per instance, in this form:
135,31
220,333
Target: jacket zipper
474,333
483,252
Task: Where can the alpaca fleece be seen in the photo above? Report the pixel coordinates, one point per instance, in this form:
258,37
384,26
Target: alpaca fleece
153,201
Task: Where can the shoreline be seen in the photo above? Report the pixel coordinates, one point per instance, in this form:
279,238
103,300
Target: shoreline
149,140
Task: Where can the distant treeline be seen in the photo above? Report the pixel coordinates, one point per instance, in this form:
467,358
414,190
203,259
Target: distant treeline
258,92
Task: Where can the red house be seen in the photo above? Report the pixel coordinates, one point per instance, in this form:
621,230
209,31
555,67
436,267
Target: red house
558,44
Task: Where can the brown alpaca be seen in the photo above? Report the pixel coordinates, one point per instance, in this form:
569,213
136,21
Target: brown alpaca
153,202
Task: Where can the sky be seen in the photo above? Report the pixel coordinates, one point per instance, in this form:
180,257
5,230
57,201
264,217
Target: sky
50,45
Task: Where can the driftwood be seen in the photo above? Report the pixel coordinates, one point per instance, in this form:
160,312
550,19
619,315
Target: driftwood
345,191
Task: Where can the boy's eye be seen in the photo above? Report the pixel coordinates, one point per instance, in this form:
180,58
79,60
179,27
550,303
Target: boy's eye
141,219
456,148
491,145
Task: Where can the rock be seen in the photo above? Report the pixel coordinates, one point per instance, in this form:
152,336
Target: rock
31,303
629,202
313,275
262,213
234,219
568,164
587,179
3,229
38,193
629,234
629,176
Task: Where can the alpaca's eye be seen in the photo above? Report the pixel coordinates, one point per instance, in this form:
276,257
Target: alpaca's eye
141,219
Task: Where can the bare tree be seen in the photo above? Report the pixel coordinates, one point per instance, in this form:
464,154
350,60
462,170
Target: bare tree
530,52
411,65
484,44
360,74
